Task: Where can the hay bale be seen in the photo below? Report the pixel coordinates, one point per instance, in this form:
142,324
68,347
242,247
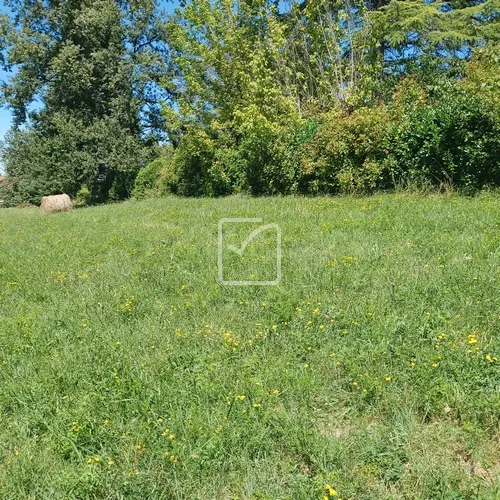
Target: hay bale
56,203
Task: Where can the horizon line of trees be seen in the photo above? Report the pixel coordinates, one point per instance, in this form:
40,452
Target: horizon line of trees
113,97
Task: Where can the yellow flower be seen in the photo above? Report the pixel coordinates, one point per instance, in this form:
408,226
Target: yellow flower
435,365
257,405
472,339
106,421
241,397
388,379
331,491
355,384
171,437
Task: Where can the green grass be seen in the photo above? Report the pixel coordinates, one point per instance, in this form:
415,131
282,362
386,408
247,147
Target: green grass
372,367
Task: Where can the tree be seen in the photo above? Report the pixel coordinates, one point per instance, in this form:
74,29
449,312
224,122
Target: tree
84,94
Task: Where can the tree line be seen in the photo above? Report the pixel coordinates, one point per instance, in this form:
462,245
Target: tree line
114,97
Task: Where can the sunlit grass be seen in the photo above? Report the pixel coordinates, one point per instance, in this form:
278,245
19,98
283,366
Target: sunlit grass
370,371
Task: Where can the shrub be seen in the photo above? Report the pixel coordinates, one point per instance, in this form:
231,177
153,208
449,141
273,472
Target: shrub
146,182
83,197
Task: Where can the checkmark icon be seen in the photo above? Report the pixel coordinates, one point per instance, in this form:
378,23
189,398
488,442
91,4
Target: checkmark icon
249,238
240,250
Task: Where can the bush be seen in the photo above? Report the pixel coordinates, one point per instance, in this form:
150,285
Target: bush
444,135
146,182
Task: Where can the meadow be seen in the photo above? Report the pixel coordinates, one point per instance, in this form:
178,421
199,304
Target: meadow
371,371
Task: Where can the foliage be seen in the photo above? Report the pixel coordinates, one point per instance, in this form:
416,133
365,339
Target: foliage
82,95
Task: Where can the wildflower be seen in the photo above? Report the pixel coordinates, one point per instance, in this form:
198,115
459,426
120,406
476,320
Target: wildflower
355,384
165,432
106,421
331,491
257,405
241,397
332,355
472,339
306,365
435,365
171,437
388,379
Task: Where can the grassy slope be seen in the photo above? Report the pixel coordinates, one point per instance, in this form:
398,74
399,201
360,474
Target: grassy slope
127,371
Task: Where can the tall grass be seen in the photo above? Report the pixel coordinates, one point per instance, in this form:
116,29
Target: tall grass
371,371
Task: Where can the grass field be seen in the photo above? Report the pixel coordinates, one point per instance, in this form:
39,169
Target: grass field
370,372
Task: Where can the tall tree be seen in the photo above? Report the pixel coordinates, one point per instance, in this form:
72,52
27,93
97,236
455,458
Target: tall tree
83,94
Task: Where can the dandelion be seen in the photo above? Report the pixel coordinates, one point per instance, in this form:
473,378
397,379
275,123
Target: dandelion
257,405
388,379
472,339
355,383
241,397
332,492
171,437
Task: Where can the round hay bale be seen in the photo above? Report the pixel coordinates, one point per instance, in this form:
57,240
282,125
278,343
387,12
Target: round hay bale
56,203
